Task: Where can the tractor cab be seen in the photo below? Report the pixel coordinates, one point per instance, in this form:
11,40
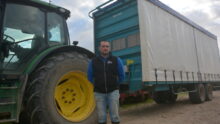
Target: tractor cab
28,28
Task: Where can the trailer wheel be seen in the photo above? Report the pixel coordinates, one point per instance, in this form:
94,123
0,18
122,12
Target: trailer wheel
199,95
209,92
162,97
159,97
172,97
60,93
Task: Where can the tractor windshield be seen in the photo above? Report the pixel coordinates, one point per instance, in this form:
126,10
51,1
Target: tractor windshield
27,31
24,31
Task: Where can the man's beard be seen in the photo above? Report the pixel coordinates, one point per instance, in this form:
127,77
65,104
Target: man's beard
105,54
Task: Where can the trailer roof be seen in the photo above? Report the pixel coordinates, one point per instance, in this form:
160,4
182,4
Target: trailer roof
99,11
180,16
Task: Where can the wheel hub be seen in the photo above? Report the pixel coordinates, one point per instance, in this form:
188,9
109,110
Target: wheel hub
74,97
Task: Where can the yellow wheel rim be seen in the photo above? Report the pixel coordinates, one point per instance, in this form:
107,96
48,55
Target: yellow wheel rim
74,97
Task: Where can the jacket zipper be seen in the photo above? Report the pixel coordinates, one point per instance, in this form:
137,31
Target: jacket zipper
105,79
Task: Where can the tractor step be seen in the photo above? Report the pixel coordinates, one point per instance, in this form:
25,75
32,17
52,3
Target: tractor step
8,110
7,103
7,120
8,100
4,115
8,88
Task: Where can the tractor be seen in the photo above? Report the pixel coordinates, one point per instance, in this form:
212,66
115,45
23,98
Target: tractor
43,77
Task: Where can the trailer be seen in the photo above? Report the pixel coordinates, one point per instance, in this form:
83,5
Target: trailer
164,52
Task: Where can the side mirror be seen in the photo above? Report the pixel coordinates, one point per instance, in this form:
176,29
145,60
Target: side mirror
75,43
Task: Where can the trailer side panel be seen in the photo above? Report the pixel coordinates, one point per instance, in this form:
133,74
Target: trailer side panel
173,49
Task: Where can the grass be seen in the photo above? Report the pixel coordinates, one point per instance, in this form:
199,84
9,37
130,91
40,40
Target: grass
136,103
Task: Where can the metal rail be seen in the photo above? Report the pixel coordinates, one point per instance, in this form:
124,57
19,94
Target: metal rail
100,7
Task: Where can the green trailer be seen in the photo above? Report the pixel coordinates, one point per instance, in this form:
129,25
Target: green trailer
164,52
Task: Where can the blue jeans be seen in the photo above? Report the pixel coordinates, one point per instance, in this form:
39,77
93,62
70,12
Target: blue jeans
110,100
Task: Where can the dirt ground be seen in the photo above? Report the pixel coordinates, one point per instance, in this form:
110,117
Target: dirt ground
182,112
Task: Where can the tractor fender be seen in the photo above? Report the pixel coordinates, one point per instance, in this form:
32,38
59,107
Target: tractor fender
54,50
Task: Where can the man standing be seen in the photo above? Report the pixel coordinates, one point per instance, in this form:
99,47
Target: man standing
105,72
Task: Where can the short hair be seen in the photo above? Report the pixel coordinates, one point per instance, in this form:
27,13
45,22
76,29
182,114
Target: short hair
103,41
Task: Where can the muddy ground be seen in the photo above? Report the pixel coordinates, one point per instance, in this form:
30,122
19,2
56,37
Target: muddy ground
182,112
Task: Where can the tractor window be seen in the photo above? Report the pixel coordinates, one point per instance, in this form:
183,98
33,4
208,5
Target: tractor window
55,29
24,30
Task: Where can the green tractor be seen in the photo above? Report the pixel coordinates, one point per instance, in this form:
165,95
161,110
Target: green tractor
43,78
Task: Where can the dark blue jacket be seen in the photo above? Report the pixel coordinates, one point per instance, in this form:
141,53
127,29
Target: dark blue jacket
106,73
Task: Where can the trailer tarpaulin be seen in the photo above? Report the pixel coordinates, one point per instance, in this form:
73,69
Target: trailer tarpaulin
172,49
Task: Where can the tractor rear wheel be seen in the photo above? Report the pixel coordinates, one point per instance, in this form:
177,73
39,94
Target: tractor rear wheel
60,93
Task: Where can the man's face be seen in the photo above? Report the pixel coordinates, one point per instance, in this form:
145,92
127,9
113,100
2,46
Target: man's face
104,48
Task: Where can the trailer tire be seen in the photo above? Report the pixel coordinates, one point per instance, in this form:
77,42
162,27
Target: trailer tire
59,89
172,97
159,97
163,97
209,92
199,95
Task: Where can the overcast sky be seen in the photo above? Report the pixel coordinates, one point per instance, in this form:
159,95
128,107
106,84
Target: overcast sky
205,13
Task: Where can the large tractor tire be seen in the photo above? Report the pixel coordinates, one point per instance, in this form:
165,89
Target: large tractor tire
163,97
199,95
59,92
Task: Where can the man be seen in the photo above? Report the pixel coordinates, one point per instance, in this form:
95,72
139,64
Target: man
105,72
